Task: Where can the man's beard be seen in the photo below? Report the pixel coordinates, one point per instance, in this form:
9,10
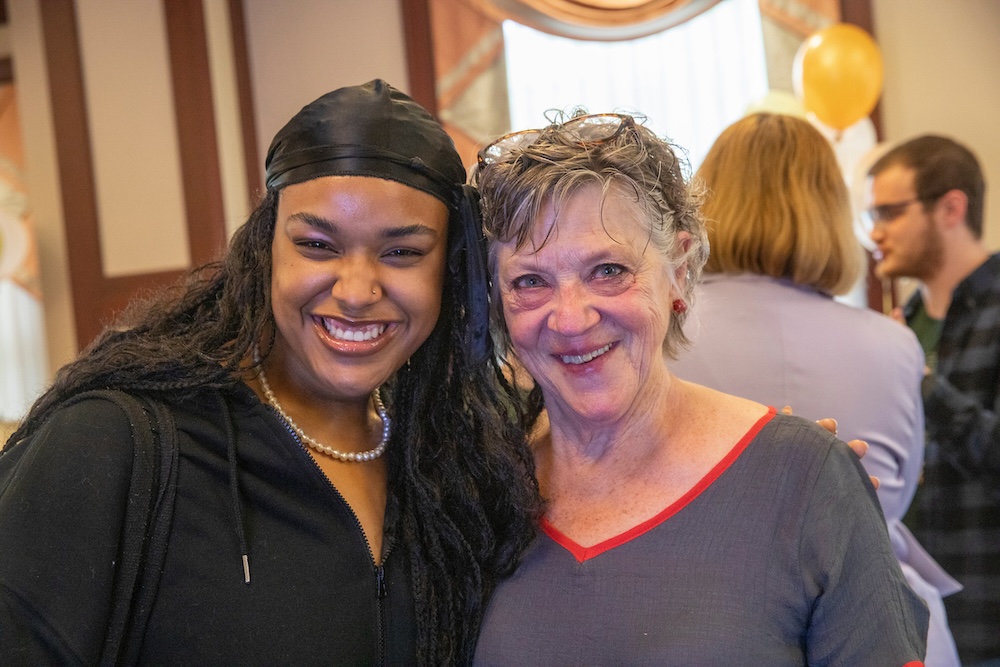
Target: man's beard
927,261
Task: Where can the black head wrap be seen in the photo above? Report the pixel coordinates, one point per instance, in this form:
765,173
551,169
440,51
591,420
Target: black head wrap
375,130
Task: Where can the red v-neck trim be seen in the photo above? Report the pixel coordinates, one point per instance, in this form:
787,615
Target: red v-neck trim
584,553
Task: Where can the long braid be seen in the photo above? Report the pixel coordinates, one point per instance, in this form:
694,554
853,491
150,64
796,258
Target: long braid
470,502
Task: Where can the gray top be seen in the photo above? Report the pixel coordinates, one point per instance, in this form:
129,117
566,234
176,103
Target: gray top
779,556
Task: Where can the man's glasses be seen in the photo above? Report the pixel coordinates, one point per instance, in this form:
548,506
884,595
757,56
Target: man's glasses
586,130
886,213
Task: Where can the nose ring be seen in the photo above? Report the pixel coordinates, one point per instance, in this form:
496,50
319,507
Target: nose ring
373,292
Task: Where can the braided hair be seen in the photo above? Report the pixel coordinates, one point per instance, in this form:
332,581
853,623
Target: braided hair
458,461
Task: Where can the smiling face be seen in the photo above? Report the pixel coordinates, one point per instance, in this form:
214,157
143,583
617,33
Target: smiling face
588,307
356,280
909,244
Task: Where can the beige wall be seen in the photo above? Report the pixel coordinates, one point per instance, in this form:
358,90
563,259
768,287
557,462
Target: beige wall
941,60
298,54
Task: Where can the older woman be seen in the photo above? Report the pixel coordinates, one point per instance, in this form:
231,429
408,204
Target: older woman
767,327
682,525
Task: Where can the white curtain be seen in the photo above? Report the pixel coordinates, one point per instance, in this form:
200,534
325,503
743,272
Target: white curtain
22,351
23,363
690,81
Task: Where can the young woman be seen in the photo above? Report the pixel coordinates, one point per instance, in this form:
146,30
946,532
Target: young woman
348,486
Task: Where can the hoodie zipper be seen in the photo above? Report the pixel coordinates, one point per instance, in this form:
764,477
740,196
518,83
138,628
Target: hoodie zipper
381,591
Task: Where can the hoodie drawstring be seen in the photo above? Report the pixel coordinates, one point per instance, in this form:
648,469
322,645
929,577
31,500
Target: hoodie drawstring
234,487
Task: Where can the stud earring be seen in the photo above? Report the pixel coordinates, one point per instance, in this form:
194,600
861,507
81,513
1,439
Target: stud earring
679,306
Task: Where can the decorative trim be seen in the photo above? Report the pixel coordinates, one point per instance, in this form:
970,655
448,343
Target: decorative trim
799,19
244,88
583,554
473,63
596,19
196,137
420,53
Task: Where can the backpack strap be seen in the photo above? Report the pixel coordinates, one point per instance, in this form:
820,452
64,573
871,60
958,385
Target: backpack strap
157,532
146,527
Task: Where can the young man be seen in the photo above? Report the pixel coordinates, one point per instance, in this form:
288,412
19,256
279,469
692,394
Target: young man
927,198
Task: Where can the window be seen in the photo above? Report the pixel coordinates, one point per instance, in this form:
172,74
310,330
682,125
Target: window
690,81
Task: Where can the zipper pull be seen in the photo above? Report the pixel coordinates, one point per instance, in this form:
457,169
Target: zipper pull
380,582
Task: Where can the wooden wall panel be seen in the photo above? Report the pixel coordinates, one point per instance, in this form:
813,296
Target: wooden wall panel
97,297
420,52
241,57
6,73
200,174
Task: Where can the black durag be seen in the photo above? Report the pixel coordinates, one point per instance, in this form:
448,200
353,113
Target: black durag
375,130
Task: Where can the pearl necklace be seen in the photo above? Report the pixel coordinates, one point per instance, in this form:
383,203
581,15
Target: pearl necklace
350,457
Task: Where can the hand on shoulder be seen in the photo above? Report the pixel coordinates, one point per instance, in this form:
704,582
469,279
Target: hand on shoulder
859,447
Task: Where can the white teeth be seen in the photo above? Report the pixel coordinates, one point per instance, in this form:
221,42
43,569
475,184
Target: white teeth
364,333
584,358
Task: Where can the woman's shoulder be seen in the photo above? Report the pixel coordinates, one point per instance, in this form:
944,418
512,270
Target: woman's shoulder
763,429
875,348
792,430
823,311
92,433
83,449
718,420
808,453
880,324
103,424
761,445
97,418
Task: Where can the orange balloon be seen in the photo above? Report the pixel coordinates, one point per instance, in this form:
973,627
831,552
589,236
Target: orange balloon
837,74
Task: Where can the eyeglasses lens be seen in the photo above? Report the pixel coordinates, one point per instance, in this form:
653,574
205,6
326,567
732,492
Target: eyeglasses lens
885,213
591,129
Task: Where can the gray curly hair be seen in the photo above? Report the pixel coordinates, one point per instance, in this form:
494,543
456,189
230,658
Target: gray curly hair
520,173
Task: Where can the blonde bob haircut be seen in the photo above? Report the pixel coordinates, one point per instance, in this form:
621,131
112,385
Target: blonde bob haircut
777,205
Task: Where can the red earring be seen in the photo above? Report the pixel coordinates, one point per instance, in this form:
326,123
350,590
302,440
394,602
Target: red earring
680,306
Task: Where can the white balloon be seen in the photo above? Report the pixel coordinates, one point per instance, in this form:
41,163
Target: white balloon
778,101
854,147
850,144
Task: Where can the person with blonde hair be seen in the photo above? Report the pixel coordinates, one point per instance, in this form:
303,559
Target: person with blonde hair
767,327
784,210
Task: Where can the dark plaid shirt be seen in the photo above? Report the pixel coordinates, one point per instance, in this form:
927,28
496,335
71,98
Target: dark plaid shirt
956,511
